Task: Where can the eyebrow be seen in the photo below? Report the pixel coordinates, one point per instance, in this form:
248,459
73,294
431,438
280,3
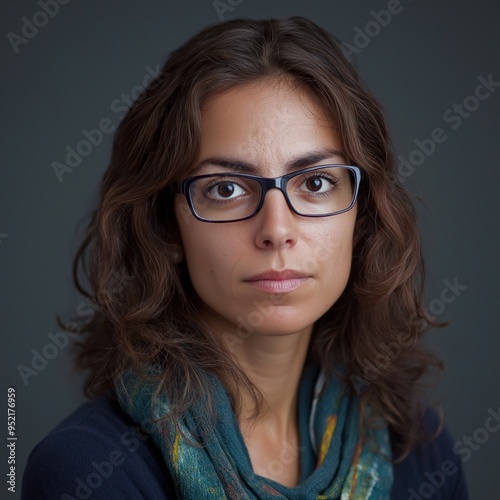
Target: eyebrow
302,161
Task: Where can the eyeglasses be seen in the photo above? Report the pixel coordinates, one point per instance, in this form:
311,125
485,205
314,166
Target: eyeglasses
319,191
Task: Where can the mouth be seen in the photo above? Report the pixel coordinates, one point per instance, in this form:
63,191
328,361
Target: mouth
278,281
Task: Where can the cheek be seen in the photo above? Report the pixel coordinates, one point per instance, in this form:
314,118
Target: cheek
332,251
210,255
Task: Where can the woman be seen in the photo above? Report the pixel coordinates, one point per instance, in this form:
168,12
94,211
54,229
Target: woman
258,275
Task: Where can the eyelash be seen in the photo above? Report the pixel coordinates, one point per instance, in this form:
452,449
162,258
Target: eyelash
218,181
322,175
209,186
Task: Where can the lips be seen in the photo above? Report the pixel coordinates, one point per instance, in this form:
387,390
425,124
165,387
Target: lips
273,275
278,282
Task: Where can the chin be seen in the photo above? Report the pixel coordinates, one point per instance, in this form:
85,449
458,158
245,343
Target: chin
276,324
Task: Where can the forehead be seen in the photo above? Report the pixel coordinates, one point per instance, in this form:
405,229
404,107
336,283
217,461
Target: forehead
265,124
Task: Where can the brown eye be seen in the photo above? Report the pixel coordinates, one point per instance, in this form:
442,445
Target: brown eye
318,183
314,184
222,189
225,189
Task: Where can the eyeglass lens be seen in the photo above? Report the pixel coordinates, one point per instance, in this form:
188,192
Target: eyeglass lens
318,192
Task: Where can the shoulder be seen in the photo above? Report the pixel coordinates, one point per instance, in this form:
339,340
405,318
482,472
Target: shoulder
97,450
432,469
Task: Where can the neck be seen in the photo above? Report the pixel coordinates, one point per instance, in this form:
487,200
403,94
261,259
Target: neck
274,364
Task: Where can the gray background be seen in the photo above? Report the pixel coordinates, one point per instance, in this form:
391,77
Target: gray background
67,76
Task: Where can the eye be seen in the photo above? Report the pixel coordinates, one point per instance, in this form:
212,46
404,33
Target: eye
223,190
318,183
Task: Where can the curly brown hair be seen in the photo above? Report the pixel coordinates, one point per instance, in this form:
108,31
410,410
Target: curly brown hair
374,329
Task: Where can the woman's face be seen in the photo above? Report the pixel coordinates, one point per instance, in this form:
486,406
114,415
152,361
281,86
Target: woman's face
266,125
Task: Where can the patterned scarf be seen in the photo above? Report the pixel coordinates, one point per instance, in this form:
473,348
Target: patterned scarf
342,467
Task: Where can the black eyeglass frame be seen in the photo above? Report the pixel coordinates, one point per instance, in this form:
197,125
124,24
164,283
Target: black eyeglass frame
266,184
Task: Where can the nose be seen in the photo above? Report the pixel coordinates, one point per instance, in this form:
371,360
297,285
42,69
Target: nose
276,223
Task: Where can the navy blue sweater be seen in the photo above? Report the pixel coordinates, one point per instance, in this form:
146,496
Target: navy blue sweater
98,452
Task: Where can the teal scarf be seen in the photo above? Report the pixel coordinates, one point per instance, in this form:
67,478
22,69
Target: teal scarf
335,462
